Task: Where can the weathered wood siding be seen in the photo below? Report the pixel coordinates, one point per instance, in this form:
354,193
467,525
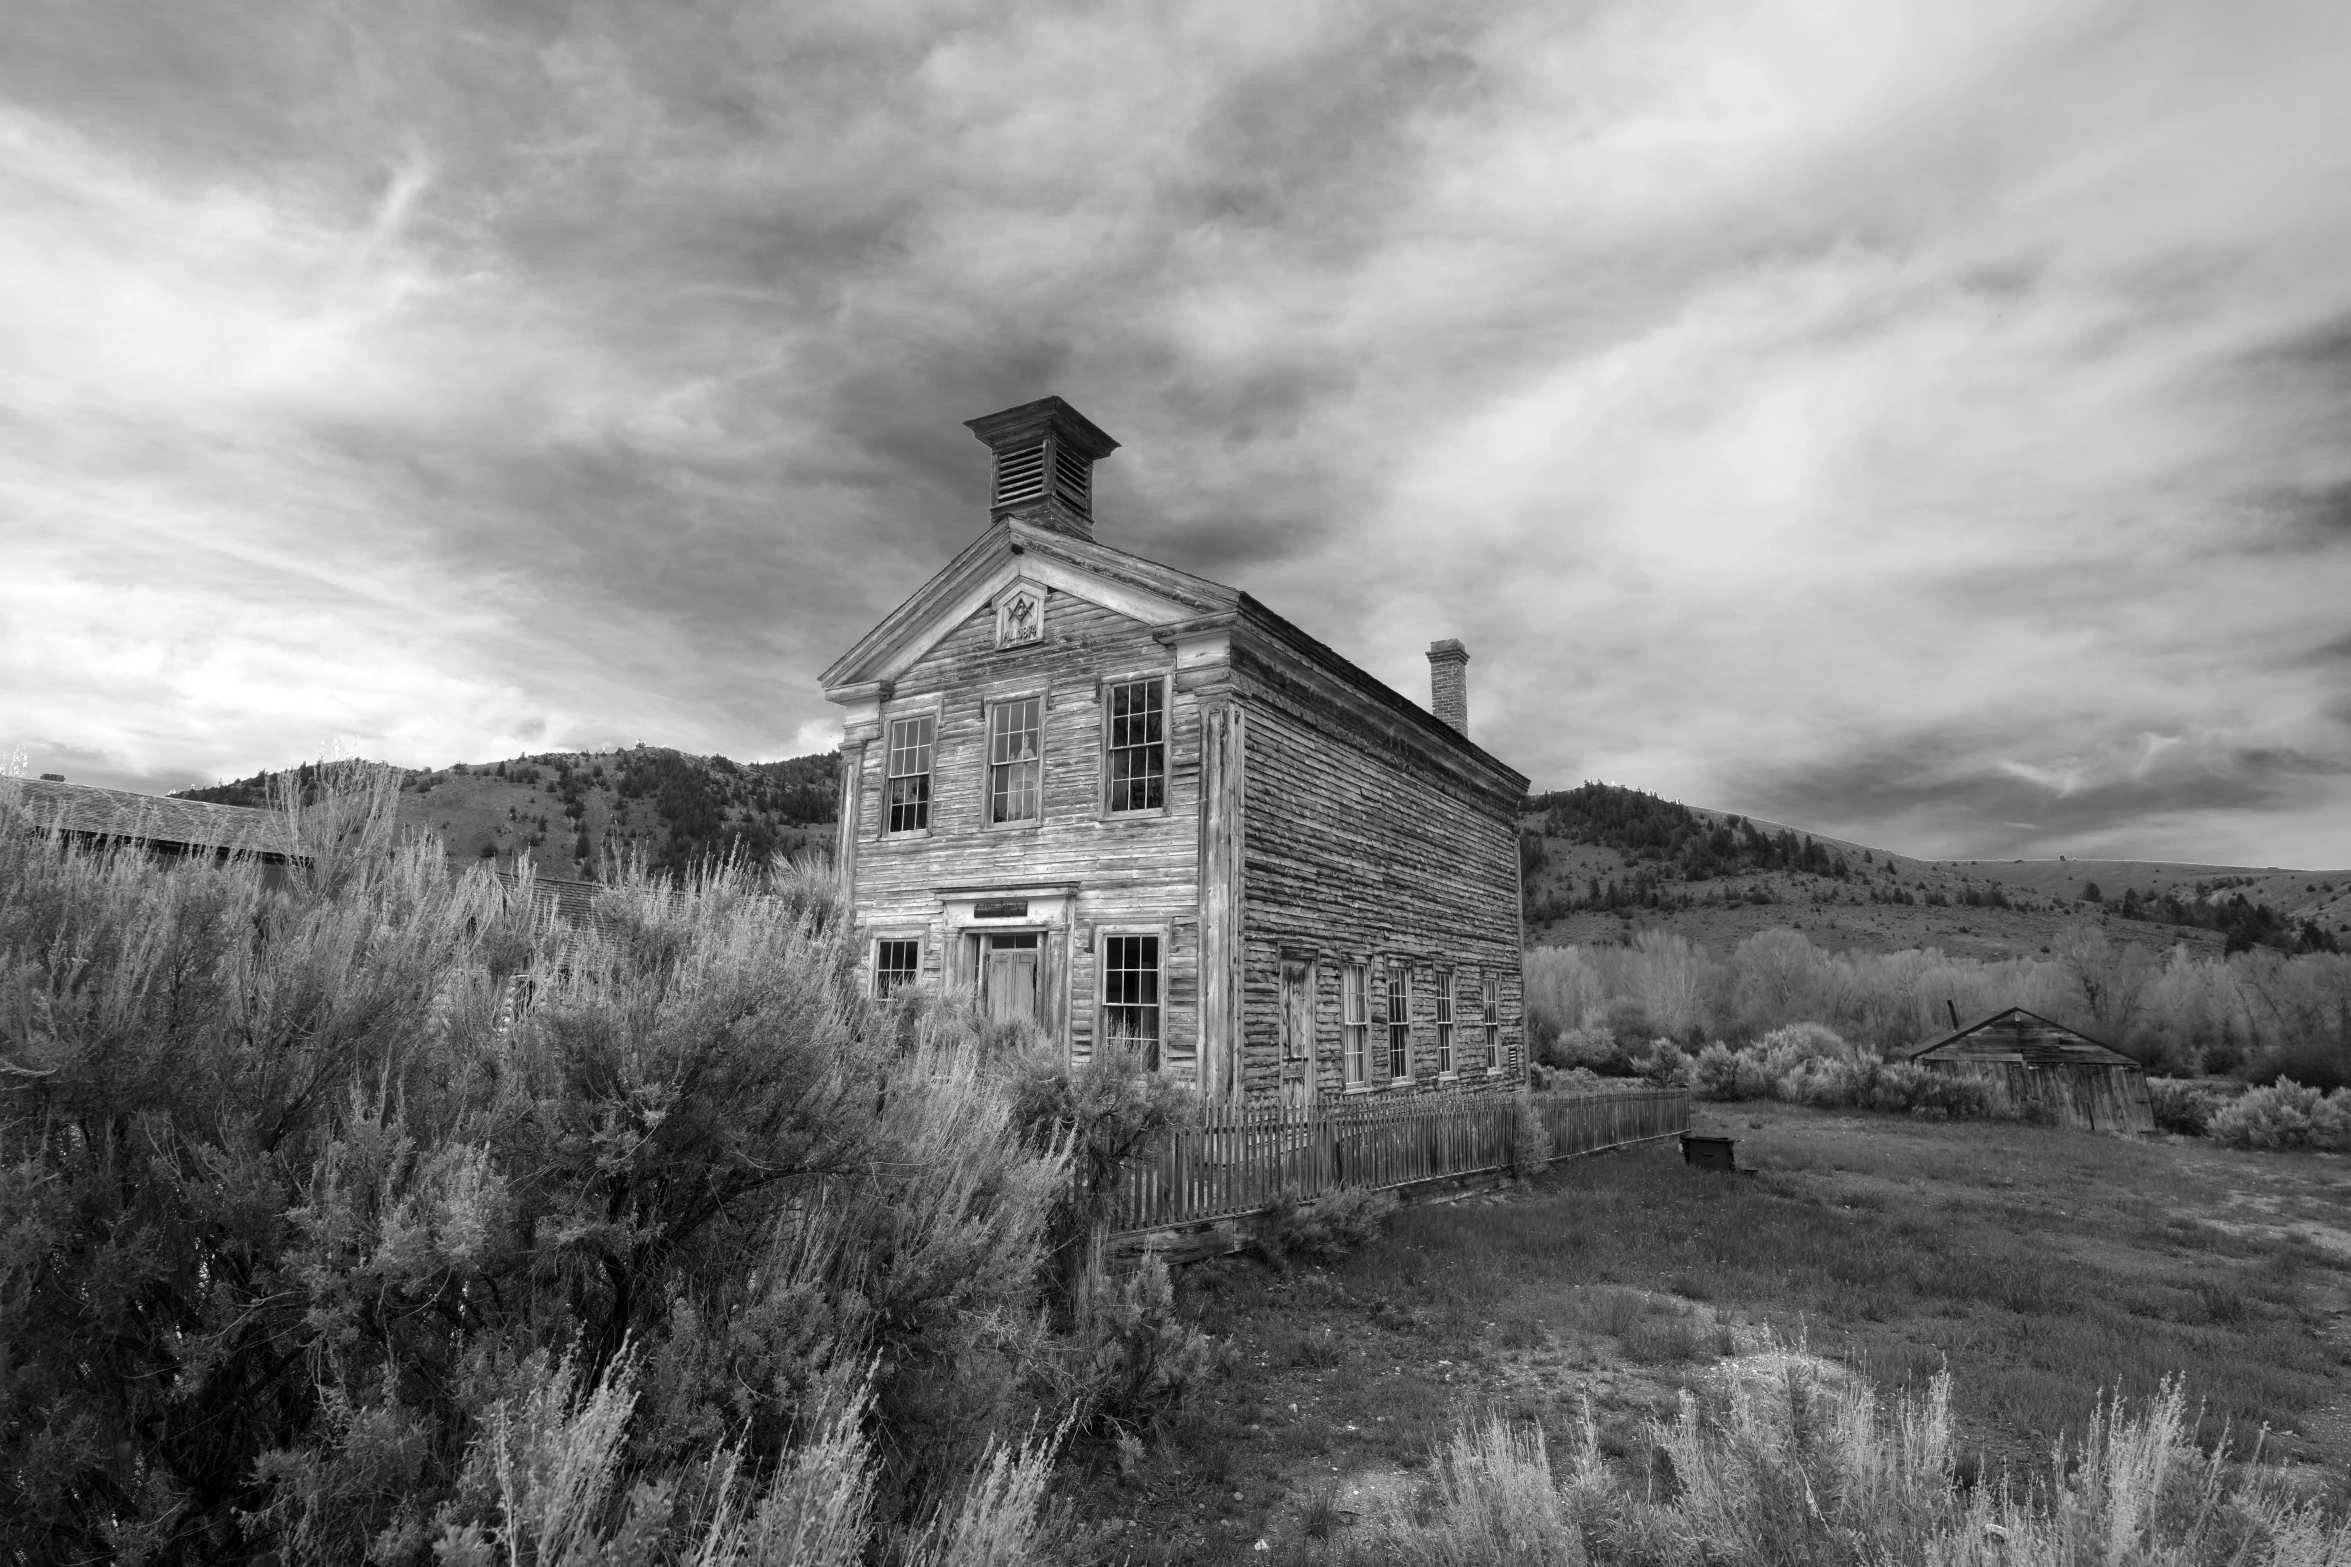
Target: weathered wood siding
1359,855
2092,1098
2031,1063
1133,872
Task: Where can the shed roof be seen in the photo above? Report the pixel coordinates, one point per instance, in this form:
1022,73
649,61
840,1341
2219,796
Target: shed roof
2013,1034
153,818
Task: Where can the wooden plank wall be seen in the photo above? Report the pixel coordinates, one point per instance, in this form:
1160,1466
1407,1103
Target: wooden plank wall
1139,871
1242,1161
2089,1098
1360,856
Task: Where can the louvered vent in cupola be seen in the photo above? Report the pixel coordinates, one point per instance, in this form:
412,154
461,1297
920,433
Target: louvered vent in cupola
1044,470
1020,476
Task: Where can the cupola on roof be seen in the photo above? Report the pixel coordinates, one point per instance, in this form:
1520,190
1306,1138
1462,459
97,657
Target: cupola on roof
1045,453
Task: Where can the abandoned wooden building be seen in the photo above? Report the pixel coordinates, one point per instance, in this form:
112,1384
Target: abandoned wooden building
1133,805
164,826
2032,1064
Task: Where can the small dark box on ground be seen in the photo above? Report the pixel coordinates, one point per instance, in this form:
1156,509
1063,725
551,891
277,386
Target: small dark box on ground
1709,1153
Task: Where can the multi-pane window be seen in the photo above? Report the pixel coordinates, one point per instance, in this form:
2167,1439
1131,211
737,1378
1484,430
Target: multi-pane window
1444,1020
1399,1021
1493,1021
1016,763
1354,1020
895,964
910,772
1137,720
1130,995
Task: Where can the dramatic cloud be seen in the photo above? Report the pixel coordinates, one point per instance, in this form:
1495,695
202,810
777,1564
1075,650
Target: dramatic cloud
1933,426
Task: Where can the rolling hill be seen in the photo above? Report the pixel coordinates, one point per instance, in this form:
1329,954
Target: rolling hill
568,811
1602,861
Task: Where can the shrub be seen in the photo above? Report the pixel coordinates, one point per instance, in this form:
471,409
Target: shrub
1324,1231
1097,1115
1587,1049
1806,1041
1807,1064
2182,1107
1132,1361
2285,1114
311,1224
1714,1072
1663,1064
1530,1140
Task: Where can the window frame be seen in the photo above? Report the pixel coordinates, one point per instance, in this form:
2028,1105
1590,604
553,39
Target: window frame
873,962
1399,1025
1105,751
1490,1009
1161,1046
1355,1026
989,764
891,775
1443,996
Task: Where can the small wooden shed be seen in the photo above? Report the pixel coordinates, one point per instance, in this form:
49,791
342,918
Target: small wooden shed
2030,1061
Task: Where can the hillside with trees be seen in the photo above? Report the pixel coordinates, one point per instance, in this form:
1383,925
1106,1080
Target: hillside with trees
1603,861
573,814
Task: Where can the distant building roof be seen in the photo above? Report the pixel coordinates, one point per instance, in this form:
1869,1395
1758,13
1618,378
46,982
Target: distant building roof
159,820
574,902
2013,1034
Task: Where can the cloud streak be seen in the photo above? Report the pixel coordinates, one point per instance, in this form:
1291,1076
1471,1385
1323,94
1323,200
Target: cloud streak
1932,428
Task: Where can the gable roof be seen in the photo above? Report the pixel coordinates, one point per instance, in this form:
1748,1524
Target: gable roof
159,820
1143,589
2014,1034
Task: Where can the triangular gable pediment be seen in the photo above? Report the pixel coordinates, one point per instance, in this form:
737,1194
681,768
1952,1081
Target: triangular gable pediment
1009,555
2016,1022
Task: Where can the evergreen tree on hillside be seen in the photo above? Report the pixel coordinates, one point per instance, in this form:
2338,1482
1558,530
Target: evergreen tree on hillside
1643,825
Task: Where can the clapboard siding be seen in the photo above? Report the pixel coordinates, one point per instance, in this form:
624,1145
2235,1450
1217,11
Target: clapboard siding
1357,859
1311,809
1136,871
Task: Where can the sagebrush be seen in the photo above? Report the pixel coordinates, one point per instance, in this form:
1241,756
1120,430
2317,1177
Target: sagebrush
381,1215
1784,1459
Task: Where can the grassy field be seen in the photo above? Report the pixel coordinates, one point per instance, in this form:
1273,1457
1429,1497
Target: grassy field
2044,1267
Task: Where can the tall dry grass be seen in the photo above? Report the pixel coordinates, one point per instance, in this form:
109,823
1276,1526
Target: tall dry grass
1784,1461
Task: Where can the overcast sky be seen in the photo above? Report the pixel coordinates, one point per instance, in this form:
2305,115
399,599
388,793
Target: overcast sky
1923,423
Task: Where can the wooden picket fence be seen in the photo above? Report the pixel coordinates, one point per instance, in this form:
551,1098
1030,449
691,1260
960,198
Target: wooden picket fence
1234,1162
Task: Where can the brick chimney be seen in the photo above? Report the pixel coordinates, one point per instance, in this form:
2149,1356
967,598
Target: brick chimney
1044,467
1449,683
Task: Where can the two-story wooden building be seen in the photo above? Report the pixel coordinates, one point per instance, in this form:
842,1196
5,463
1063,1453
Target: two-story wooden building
1135,805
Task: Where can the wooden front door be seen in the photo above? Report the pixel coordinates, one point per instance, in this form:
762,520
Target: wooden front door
1297,1032
1008,979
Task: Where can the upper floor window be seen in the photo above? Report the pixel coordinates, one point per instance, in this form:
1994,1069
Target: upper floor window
1444,1020
1130,995
910,773
1354,1021
1016,762
1399,1021
1493,1021
896,964
1136,720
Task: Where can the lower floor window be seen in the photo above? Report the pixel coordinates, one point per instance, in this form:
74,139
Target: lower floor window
1399,1022
895,964
1130,995
1492,1007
